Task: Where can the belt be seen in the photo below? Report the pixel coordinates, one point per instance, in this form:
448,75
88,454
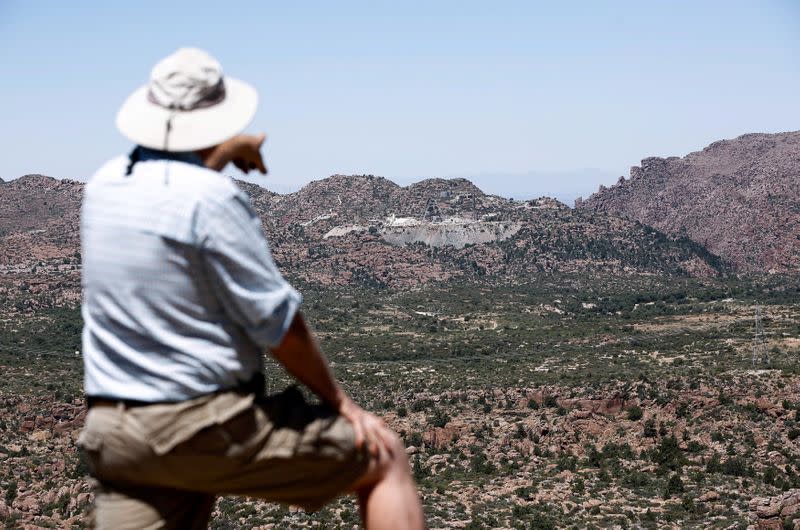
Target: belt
93,402
253,386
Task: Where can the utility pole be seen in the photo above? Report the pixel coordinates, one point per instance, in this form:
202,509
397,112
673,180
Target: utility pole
760,354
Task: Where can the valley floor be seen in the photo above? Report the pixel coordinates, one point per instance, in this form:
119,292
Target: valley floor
558,403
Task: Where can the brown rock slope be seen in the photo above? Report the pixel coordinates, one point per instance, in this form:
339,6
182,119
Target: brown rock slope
738,198
38,219
370,230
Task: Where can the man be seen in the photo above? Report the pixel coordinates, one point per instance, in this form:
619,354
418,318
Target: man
181,298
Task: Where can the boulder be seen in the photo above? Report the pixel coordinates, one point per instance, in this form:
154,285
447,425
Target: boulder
769,524
769,510
708,496
40,436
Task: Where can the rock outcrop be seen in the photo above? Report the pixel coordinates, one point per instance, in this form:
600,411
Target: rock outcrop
738,198
776,513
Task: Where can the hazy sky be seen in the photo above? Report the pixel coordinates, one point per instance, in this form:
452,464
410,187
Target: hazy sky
527,97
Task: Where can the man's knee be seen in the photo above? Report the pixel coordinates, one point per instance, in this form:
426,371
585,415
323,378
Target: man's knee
392,461
396,460
398,447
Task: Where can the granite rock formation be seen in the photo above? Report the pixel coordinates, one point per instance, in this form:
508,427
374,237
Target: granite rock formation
738,198
370,230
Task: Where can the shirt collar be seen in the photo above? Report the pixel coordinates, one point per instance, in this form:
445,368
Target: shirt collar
188,157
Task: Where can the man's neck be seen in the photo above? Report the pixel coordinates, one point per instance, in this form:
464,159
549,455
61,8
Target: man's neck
188,157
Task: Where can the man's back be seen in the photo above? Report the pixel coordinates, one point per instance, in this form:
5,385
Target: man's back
181,301
160,249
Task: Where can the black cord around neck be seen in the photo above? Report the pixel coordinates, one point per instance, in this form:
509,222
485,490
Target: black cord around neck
133,157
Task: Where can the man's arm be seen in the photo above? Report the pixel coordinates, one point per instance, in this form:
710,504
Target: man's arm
300,354
257,298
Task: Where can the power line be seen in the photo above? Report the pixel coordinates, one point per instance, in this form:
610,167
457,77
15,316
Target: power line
760,354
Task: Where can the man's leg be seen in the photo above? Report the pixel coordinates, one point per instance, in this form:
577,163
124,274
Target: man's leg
281,449
289,451
387,494
150,509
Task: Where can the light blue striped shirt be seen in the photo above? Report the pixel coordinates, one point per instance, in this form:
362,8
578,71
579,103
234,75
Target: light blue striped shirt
180,293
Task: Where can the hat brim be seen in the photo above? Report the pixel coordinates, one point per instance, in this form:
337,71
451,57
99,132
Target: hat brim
145,123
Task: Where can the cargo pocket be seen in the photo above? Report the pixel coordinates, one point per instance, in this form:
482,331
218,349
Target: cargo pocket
90,442
91,436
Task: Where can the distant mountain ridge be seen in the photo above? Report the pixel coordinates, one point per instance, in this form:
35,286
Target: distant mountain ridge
39,219
739,198
368,229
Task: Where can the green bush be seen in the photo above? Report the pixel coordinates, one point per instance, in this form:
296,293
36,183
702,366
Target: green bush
736,467
635,413
674,486
650,428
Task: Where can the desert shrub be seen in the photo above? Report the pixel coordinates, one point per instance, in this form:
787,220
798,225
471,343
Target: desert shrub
636,479
650,428
668,454
694,447
635,413
11,492
521,434
770,474
415,439
674,486
524,492
714,465
440,418
419,471
421,404
550,402
736,467
567,462
480,464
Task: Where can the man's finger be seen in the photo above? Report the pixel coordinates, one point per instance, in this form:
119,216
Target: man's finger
387,438
259,163
373,442
382,453
358,431
375,435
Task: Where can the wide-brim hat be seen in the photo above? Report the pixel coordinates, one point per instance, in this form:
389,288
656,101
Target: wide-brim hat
188,105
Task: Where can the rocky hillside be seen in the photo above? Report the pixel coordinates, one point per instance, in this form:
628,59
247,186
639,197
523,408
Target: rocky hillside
739,198
369,230
38,219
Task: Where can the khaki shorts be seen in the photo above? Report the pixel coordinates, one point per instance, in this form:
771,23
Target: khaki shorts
161,466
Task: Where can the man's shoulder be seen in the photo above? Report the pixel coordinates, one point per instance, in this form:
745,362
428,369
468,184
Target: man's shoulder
187,181
202,184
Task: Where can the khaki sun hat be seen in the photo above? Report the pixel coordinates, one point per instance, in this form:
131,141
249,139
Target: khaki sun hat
187,105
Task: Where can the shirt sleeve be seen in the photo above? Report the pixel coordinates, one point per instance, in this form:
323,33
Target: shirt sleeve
242,272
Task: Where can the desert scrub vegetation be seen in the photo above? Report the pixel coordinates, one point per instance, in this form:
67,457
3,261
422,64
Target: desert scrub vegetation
557,402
